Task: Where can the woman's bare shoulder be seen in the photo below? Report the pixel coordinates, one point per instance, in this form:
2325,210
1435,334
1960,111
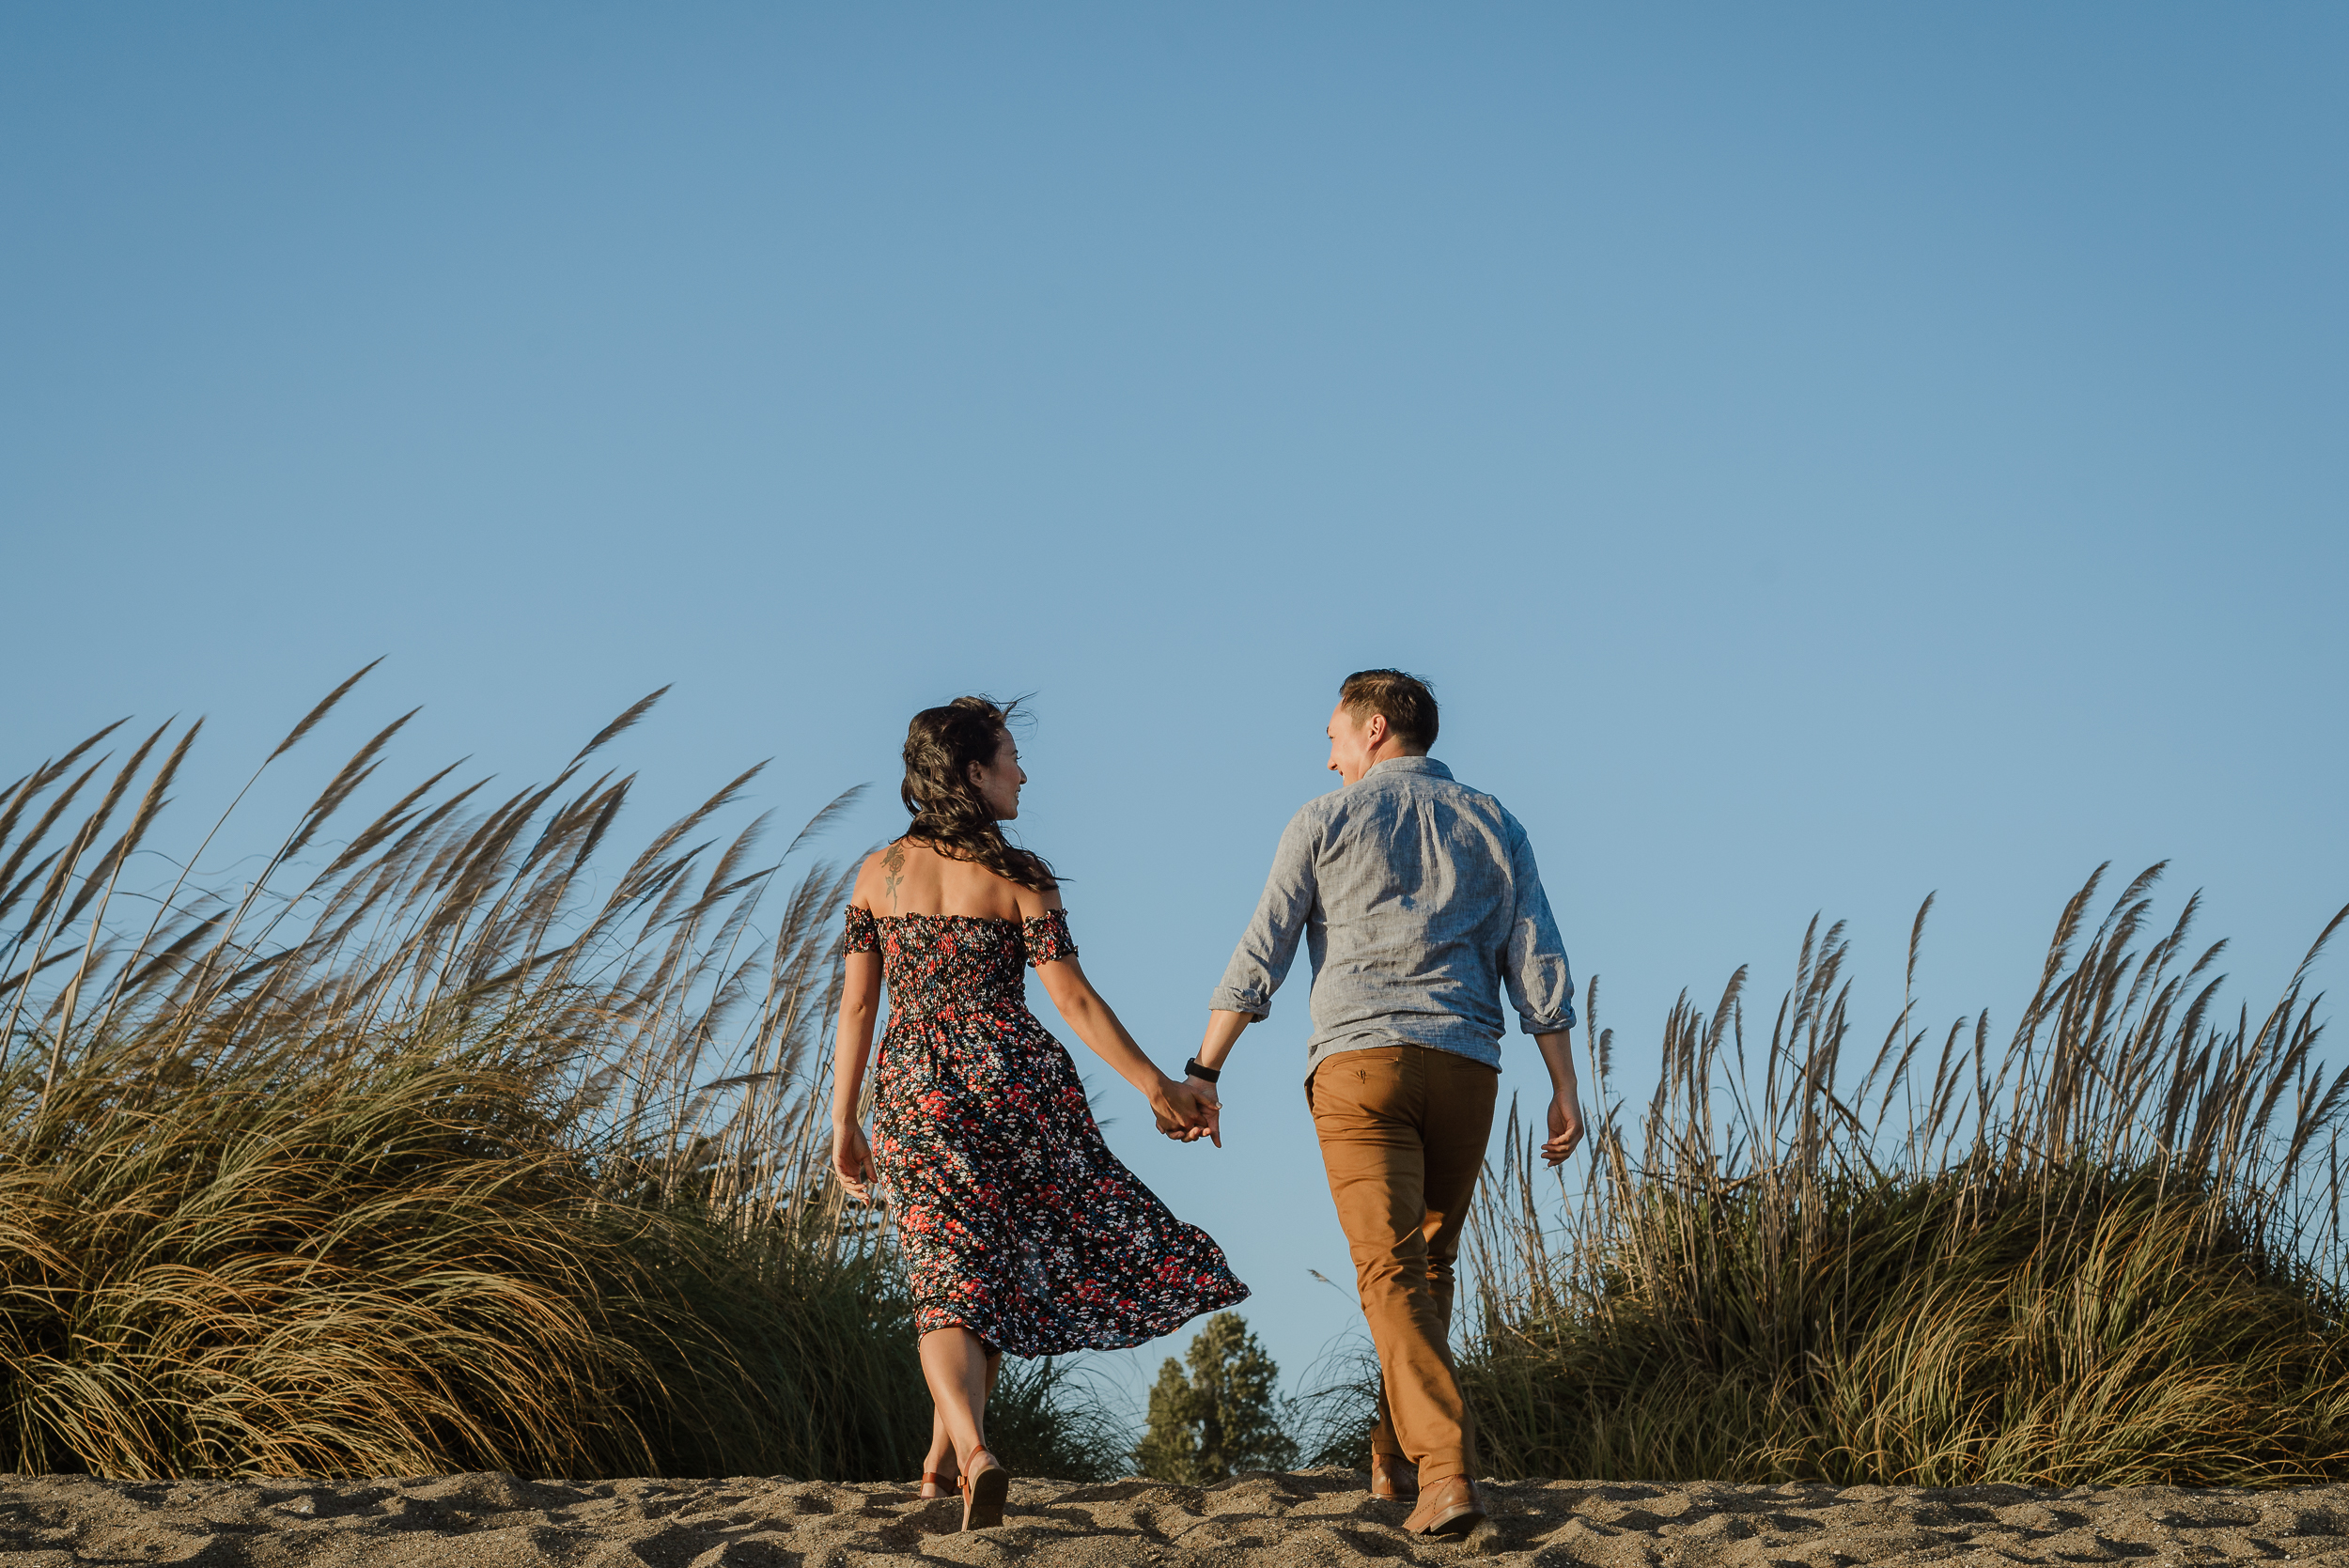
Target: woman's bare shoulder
877,876
1034,902
968,888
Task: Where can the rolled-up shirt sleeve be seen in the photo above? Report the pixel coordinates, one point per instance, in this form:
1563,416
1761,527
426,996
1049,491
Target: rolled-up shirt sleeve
1262,960
1533,963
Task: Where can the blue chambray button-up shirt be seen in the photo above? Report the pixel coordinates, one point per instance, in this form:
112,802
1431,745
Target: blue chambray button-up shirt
1419,902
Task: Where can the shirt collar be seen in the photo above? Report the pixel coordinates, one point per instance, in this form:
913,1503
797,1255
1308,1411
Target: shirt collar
1411,765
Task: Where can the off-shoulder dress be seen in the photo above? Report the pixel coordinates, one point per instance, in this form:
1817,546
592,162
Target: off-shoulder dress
1018,1223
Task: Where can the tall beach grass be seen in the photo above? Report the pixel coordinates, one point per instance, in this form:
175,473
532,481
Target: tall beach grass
2105,1250
436,1143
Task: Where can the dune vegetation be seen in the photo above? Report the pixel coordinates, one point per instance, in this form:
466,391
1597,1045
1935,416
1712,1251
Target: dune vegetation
445,1139
436,1143
2105,1251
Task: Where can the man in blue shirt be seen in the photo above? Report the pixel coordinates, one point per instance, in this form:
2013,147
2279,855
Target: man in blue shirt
1418,901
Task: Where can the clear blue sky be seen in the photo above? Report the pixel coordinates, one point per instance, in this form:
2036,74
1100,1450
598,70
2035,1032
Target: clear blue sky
1820,454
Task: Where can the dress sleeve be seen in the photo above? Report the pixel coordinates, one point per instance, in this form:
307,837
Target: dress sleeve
863,935
1048,937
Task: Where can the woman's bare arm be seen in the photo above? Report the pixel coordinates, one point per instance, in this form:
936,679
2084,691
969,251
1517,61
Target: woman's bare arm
853,1046
1174,1104
859,1004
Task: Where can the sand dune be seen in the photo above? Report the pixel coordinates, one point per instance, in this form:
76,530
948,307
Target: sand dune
1313,1517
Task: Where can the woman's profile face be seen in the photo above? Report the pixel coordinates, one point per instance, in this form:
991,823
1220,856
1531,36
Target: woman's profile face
998,782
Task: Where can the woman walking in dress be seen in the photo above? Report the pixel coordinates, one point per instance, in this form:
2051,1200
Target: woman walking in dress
1021,1232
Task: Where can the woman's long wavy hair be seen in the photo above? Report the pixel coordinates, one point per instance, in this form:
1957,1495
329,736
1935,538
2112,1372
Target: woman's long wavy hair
942,743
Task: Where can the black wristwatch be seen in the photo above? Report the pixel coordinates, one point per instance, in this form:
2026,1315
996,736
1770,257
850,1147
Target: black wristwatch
1203,1074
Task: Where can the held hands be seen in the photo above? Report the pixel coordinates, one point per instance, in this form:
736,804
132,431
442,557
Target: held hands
1212,1110
1186,1112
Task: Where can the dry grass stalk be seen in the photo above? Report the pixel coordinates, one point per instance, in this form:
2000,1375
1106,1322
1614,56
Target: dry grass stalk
2105,1252
412,1154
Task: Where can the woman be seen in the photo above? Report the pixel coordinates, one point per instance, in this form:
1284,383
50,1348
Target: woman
1021,1231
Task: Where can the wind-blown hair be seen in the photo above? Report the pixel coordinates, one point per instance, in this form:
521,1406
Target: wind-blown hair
942,743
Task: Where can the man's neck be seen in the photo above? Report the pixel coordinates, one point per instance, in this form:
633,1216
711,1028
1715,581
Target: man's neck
1384,754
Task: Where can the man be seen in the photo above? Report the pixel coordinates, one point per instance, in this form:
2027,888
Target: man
1419,901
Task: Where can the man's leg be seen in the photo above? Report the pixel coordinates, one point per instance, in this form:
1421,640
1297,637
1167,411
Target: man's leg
1459,1121
1455,1129
1369,1109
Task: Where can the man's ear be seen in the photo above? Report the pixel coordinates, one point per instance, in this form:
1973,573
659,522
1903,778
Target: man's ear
1374,731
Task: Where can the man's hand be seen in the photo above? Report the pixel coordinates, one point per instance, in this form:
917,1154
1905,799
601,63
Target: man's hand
852,1160
1566,1101
1177,1110
1565,1127
1211,1124
1223,1032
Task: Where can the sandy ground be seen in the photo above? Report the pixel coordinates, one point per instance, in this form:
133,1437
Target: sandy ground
1314,1517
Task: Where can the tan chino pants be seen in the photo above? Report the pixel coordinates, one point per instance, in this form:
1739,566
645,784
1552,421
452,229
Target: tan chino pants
1403,1131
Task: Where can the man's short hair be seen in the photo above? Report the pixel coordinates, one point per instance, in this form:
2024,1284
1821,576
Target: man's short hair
1408,706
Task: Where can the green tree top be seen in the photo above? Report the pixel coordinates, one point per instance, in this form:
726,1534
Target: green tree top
1223,1417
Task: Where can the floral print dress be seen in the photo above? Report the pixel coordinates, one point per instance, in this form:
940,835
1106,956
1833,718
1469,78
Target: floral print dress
1016,1222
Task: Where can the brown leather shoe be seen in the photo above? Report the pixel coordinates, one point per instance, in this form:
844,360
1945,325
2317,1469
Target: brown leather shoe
1393,1477
1448,1508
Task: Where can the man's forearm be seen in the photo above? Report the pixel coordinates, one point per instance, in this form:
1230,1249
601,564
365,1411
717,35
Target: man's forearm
1223,1031
1557,1050
1565,1105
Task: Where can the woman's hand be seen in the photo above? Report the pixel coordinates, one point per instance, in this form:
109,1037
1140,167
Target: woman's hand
852,1160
